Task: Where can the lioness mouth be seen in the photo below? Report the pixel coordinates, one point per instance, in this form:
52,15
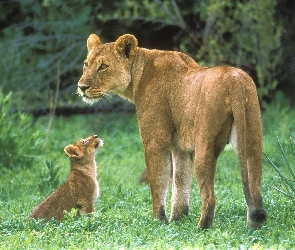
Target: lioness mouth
89,99
86,96
92,97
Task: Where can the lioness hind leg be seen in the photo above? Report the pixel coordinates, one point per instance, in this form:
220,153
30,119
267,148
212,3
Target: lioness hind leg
205,166
207,150
181,184
158,164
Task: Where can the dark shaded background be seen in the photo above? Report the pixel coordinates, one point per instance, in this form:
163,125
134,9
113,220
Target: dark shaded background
43,44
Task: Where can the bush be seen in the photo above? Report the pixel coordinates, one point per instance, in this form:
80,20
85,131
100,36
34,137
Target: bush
44,45
48,176
18,141
47,40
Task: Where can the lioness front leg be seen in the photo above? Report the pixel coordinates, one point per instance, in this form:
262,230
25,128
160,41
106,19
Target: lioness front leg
158,164
181,184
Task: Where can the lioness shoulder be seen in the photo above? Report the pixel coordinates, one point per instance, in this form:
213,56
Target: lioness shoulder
80,190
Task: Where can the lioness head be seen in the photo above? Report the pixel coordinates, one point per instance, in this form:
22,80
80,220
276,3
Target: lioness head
84,149
107,67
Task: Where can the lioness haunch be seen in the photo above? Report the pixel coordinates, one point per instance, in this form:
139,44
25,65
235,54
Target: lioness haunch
186,115
80,190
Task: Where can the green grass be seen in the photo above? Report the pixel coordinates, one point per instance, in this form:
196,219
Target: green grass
123,211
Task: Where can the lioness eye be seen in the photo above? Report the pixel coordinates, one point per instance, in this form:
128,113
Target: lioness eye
85,64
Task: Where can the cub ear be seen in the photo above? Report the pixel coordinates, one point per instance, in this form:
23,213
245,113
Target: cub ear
93,42
72,151
126,46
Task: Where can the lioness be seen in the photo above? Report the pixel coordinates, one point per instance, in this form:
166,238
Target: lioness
186,115
80,190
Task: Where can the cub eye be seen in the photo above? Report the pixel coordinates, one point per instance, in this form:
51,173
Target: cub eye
102,67
85,64
84,142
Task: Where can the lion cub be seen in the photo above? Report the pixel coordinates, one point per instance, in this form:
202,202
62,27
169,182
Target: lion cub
80,190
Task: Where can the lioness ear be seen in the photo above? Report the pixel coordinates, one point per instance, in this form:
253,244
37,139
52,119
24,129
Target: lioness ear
93,42
72,151
126,45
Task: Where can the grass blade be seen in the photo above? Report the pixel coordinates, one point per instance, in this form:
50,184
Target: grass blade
292,148
284,193
281,191
285,158
285,181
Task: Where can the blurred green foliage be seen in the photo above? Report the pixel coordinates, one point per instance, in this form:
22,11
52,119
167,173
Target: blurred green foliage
48,176
19,139
42,47
44,41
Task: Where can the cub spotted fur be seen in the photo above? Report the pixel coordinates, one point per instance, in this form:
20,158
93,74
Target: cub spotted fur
80,190
186,115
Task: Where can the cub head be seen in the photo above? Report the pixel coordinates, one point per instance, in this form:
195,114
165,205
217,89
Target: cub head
85,149
107,67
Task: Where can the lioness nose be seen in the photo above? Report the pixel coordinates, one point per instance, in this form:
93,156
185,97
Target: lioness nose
83,87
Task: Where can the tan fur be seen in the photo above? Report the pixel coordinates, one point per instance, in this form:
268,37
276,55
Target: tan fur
80,190
186,115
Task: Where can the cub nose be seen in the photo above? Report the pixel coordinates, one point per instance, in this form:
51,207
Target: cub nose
83,87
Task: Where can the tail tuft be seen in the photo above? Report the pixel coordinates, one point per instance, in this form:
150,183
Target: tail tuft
258,215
